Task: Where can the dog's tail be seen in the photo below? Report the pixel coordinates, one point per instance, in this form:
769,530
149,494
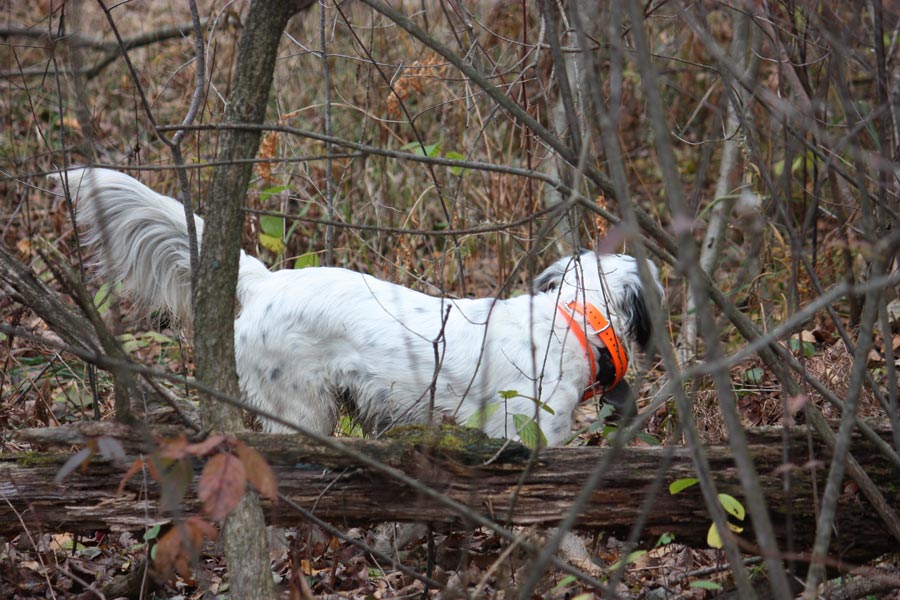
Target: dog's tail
142,238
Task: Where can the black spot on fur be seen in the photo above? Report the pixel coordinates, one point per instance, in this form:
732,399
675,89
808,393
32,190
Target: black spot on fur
275,374
269,307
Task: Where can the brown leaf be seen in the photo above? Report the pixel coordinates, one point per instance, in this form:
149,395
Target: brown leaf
136,466
168,549
175,448
201,529
222,485
179,548
258,471
206,446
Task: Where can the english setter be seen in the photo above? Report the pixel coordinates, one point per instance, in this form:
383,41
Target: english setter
309,341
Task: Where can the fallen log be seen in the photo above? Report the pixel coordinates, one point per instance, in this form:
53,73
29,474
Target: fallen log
481,474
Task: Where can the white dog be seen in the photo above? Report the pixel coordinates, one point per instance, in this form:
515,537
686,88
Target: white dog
311,341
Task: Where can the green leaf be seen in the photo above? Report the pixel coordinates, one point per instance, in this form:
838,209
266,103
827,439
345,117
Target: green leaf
713,539
89,552
103,298
648,438
705,585
564,582
155,336
272,244
665,539
310,259
152,533
754,375
605,411
456,156
628,559
809,348
272,191
430,150
679,485
273,226
130,342
778,168
529,432
732,506
350,427
481,416
508,394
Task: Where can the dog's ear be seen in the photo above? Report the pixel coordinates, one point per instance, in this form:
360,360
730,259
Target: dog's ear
637,316
551,278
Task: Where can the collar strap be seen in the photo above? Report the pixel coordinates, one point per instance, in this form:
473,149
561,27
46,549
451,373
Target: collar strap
592,316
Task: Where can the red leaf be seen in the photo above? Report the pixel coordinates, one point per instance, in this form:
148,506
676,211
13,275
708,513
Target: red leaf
222,485
258,470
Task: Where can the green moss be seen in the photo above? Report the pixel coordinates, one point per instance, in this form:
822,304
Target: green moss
37,459
464,444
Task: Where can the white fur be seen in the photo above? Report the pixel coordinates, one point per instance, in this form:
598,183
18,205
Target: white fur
307,340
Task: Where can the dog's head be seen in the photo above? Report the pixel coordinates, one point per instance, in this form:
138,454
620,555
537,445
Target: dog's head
611,283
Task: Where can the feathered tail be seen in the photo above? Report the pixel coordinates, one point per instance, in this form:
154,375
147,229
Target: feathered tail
142,238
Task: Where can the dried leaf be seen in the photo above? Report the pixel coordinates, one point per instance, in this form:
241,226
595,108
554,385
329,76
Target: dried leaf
201,529
174,448
206,446
136,466
168,548
222,485
258,471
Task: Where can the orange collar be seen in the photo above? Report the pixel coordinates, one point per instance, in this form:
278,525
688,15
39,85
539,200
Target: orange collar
601,326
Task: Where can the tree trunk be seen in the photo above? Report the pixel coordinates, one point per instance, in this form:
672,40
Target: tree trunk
245,542
340,489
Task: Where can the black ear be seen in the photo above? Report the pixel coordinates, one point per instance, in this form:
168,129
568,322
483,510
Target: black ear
550,279
639,326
